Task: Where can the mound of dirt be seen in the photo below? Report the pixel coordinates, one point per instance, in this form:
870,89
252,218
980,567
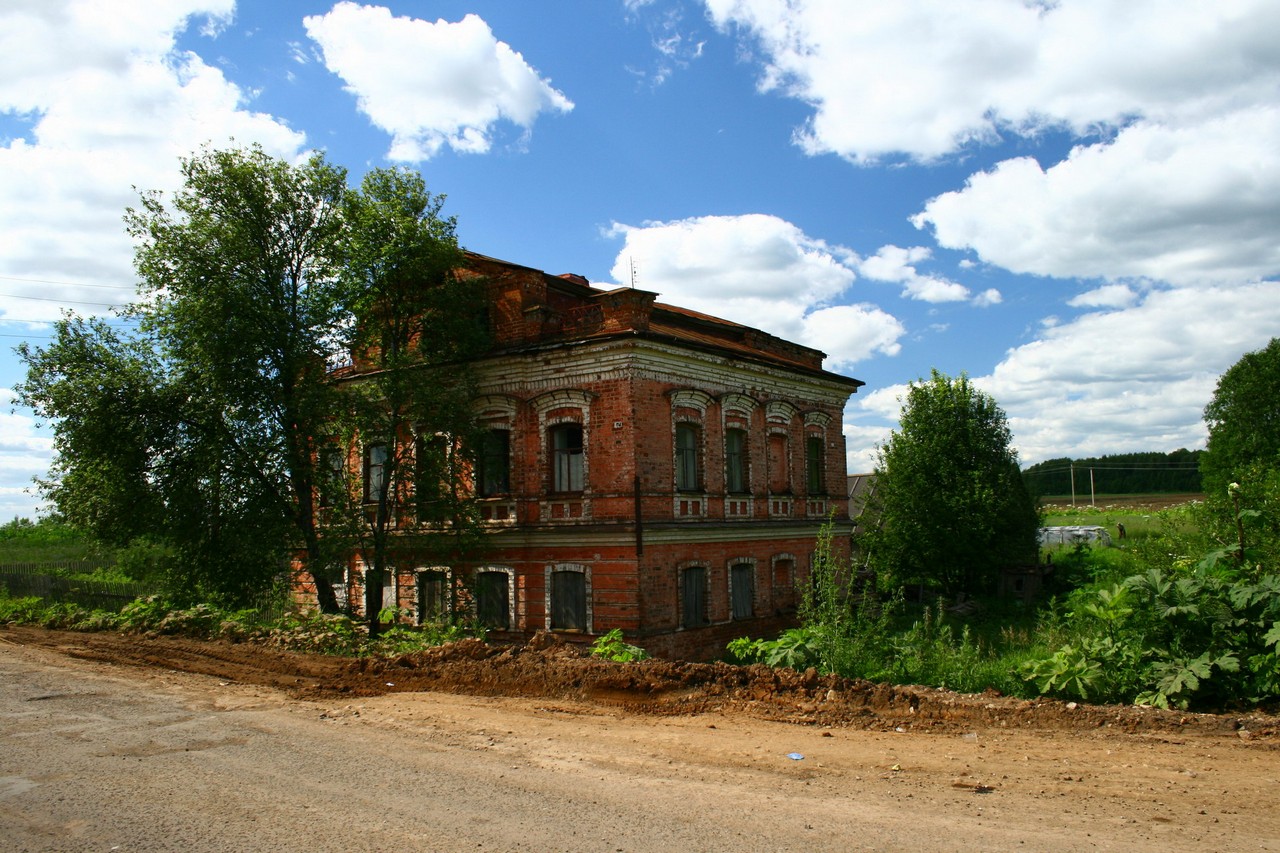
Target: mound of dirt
549,668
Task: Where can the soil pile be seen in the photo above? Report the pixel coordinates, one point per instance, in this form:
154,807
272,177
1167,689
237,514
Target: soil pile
551,669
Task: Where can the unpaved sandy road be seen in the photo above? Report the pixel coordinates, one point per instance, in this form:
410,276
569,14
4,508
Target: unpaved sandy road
101,757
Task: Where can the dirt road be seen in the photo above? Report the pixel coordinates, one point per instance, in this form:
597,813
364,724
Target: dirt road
105,745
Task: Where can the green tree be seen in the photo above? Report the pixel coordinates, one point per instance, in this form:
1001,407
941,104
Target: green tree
406,405
207,435
200,430
1244,421
951,505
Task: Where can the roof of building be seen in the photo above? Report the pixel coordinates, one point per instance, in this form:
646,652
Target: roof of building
582,311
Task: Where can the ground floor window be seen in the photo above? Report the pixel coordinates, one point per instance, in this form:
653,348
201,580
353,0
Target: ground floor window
433,595
568,600
493,598
693,589
742,588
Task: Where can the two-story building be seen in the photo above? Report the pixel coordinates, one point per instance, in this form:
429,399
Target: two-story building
645,467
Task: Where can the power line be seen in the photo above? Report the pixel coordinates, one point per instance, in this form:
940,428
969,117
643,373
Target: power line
61,301
67,283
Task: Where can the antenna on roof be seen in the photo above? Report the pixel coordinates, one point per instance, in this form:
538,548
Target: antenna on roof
632,262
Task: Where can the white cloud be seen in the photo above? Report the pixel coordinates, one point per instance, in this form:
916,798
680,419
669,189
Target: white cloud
1132,379
987,298
1179,204
898,265
24,455
1107,296
431,84
113,105
924,79
760,271
1179,180
1109,381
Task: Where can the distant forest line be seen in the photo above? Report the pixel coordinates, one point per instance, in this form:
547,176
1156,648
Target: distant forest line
1121,474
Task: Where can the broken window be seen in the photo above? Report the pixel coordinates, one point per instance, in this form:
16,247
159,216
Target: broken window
433,600
566,458
375,473
735,461
814,446
493,463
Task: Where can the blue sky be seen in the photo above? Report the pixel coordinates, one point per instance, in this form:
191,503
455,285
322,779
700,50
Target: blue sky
1076,203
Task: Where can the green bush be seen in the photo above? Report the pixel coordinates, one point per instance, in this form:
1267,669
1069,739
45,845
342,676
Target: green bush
612,646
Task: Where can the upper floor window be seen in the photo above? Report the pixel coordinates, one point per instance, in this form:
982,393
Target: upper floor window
375,473
687,445
329,475
566,458
431,469
779,464
735,461
814,464
493,463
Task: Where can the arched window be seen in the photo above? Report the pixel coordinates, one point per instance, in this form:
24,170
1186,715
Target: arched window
433,595
693,596
568,589
375,473
688,453
742,589
566,457
737,474
493,463
493,599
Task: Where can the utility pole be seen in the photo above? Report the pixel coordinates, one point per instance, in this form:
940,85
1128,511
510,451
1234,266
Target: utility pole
1073,484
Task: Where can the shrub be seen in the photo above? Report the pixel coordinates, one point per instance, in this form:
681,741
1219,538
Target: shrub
612,646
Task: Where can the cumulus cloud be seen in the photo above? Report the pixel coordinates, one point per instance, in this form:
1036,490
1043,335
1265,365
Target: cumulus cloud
895,264
1107,296
107,103
112,105
1134,379
24,455
1169,201
1185,205
431,84
1177,177
761,271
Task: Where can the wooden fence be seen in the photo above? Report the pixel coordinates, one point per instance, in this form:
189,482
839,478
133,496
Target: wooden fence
64,582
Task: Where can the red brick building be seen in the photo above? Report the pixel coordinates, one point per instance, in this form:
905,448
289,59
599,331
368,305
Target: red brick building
646,468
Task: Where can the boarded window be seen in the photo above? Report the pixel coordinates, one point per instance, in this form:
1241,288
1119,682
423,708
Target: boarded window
735,460
779,469
814,446
784,592
493,597
433,601
687,442
566,458
693,588
742,584
568,601
493,474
